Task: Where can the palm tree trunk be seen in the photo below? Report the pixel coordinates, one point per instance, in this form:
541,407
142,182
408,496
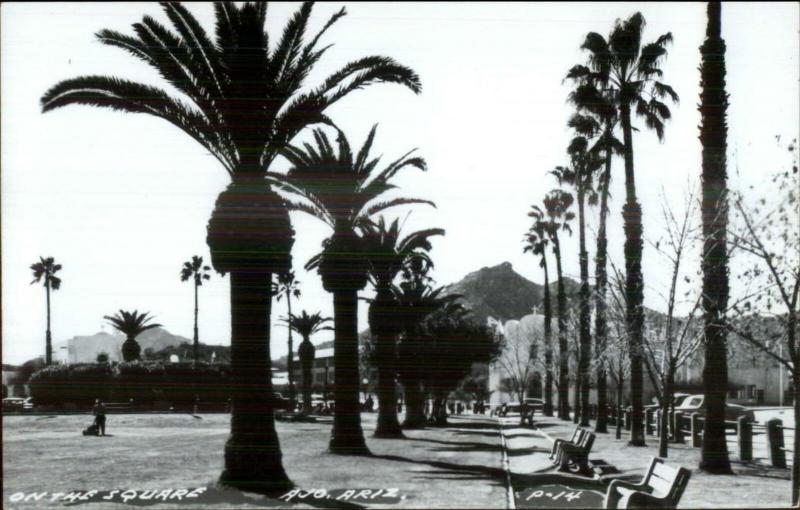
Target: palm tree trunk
666,400
713,137
548,344
290,359
585,313
252,452
347,437
307,366
381,322
576,395
796,452
415,404
601,279
563,347
632,215
48,353
619,408
196,336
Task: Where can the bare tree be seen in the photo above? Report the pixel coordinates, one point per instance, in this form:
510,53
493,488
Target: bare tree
520,355
766,237
615,354
670,340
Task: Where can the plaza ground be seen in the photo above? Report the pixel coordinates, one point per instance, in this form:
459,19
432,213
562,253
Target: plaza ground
459,466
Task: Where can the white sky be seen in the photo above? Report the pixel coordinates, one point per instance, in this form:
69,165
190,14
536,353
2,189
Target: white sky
122,200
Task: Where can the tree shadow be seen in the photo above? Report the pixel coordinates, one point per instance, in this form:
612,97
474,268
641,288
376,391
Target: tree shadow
527,451
444,474
483,472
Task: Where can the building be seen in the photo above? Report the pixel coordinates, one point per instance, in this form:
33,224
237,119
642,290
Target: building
321,372
11,386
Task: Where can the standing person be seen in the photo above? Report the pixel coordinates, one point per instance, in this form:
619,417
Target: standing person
99,411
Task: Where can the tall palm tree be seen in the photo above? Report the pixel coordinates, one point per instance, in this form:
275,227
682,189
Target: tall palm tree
536,242
597,121
45,271
581,176
344,190
556,205
246,101
713,137
131,324
286,285
387,253
195,270
632,71
307,325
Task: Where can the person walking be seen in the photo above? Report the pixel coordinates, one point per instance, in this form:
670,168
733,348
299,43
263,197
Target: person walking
99,411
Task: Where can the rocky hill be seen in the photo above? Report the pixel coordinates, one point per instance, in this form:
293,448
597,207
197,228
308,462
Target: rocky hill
502,293
84,349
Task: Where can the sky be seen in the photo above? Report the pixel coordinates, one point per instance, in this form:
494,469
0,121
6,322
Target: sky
121,201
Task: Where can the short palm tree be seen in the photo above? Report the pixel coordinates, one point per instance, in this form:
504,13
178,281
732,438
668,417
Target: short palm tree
536,241
556,205
581,177
344,190
131,324
286,285
247,99
307,325
45,271
387,254
197,272
631,71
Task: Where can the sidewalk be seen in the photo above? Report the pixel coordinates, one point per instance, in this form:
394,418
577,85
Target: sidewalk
752,486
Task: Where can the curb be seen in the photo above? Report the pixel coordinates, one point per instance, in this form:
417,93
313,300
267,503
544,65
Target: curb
510,500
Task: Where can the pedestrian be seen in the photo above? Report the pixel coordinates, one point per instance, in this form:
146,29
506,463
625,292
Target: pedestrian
99,411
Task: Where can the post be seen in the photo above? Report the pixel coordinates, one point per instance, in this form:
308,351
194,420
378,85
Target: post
697,438
648,425
672,436
777,455
678,431
627,419
658,422
744,430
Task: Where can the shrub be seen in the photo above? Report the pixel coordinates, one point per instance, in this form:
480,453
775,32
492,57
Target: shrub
77,384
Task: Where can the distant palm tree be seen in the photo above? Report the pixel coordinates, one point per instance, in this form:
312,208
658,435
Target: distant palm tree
195,270
632,72
581,177
45,271
131,324
599,125
536,241
344,190
387,253
307,325
713,137
557,204
246,102
286,285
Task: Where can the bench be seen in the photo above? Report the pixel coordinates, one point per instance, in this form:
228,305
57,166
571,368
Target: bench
577,435
575,457
661,487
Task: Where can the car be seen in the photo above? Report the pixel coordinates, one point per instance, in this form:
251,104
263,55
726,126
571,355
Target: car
13,404
281,402
534,404
678,399
695,404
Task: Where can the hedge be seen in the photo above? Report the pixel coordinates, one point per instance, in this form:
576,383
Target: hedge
148,383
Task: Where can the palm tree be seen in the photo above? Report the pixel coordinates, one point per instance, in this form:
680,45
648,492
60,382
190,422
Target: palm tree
598,123
536,242
556,205
131,324
344,191
417,299
632,71
713,137
45,271
387,253
307,325
287,285
581,177
246,101
195,270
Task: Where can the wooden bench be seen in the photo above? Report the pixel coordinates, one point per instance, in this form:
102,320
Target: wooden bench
661,487
577,435
575,457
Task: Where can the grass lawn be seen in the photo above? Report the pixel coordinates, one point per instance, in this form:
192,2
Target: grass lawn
455,467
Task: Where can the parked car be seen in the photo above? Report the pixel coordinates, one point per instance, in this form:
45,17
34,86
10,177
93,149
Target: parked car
535,404
281,402
679,398
695,404
17,403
